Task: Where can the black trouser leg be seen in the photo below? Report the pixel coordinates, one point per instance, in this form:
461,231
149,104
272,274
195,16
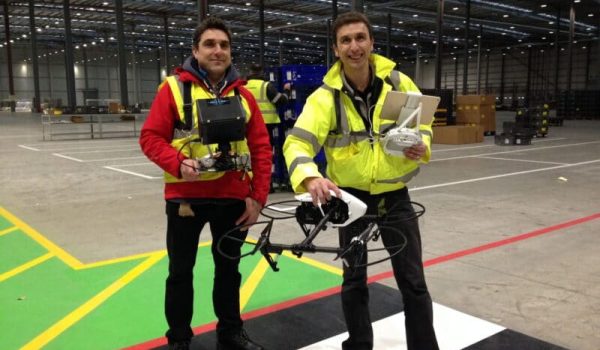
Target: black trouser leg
227,279
355,294
409,274
182,245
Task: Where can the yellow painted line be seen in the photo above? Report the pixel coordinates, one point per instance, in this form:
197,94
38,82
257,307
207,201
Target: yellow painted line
8,230
252,282
49,334
315,263
43,241
133,257
25,267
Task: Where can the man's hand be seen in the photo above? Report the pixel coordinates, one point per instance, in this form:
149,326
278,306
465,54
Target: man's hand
319,187
189,169
287,86
250,214
415,152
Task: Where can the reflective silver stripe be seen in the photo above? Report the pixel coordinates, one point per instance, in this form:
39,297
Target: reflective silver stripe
297,161
263,95
181,134
277,97
395,78
425,132
404,178
306,136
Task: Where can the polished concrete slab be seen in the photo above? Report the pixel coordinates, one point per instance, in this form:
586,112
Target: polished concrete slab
101,199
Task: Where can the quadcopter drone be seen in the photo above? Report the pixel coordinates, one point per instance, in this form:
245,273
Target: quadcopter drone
338,212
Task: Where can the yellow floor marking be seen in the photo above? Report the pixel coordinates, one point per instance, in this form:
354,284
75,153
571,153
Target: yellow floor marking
252,282
49,334
315,263
8,230
25,267
43,241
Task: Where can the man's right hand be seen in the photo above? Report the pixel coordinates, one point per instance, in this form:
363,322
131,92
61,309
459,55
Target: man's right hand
189,169
319,187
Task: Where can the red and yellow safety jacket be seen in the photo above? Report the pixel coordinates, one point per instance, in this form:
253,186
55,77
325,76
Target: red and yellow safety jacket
161,141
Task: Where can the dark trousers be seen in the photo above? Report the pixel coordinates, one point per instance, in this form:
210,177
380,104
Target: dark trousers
408,272
182,245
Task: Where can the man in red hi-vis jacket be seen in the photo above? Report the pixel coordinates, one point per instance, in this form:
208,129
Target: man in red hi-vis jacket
207,182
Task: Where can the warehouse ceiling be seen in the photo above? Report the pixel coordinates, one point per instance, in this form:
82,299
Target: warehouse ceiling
296,31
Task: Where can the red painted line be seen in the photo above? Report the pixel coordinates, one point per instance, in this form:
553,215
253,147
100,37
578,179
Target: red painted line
491,245
334,290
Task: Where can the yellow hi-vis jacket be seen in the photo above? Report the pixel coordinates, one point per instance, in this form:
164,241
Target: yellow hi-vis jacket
258,88
355,159
188,141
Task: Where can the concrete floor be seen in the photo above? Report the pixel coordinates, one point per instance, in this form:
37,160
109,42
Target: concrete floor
89,197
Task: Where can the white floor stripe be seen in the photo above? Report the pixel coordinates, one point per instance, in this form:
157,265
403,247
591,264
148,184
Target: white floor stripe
133,173
29,148
493,145
516,150
454,330
522,160
503,175
67,157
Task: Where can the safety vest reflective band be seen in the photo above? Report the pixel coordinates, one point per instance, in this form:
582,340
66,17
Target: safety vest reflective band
188,142
258,88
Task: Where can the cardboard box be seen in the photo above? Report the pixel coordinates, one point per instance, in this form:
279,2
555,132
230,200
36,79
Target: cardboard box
113,107
476,99
468,114
457,134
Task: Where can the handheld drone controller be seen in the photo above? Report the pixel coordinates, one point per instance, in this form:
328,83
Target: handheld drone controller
401,136
221,161
346,209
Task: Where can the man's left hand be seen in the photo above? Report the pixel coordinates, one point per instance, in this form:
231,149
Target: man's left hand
415,152
250,214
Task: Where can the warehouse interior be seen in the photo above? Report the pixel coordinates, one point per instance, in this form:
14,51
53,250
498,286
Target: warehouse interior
510,239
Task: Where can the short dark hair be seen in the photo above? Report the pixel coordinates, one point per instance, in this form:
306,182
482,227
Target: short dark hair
349,18
211,22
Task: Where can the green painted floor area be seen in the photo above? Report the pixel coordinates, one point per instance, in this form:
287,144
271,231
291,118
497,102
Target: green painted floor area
34,301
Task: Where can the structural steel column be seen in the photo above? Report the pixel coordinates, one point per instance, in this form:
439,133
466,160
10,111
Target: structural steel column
11,81
455,78
487,73
166,43
34,59
556,65
418,60
334,8
69,66
261,35
502,78
479,37
570,51
466,63
85,70
121,53
388,37
439,45
587,65
202,10
280,49
528,84
158,66
328,45
358,5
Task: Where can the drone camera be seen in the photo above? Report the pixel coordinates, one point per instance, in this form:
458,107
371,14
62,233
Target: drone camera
308,214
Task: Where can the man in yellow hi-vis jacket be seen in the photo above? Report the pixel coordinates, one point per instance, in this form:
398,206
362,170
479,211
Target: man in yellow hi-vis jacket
268,100
343,117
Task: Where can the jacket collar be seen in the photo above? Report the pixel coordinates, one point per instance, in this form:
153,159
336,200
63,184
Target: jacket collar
381,65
